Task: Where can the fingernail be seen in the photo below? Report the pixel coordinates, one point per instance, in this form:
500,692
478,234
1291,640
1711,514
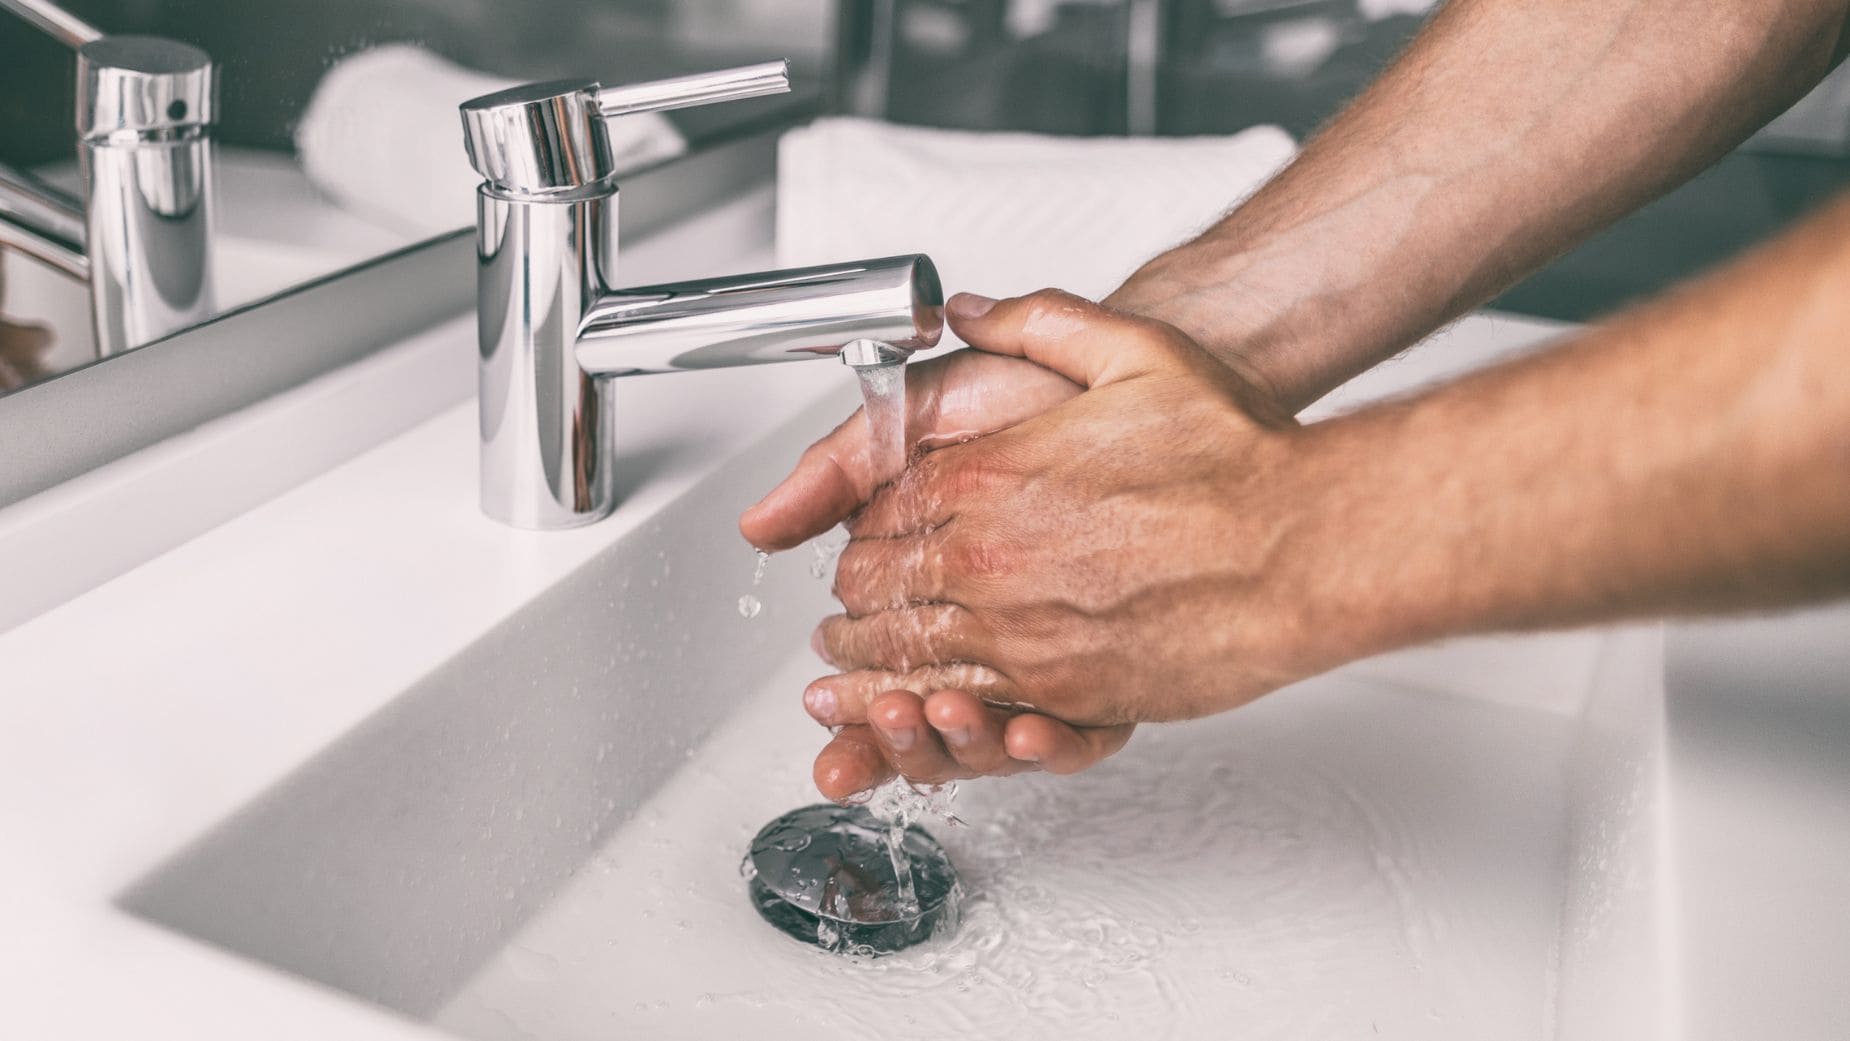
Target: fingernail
901,738
969,305
820,701
956,738
821,649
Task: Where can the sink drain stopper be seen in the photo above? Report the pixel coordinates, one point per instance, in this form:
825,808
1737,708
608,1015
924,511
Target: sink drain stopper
822,874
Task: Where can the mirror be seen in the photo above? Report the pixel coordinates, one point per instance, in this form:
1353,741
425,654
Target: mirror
329,139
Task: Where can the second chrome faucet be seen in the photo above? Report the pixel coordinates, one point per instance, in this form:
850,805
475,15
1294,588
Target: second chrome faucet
141,236
554,330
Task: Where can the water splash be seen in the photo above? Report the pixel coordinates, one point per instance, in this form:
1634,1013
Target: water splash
897,805
826,549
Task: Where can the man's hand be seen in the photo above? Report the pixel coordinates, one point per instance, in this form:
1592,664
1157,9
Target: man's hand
1100,564
1158,548
950,400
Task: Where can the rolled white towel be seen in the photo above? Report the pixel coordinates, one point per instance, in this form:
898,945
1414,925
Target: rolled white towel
1376,10
1003,214
381,136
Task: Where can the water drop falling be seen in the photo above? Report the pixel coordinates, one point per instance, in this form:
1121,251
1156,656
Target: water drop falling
749,604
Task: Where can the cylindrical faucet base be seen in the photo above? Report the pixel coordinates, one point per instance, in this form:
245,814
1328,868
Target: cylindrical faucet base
546,425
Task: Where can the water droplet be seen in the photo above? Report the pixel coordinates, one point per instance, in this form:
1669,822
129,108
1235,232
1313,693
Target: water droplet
789,840
749,606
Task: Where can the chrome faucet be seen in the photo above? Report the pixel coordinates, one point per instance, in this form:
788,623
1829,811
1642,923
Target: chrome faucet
141,236
553,332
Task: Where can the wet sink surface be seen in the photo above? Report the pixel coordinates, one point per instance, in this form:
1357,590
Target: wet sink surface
1346,859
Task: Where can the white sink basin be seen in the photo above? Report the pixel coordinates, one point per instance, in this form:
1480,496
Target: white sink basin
540,838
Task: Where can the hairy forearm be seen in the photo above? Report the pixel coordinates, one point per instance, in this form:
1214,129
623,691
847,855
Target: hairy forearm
1690,456
1508,131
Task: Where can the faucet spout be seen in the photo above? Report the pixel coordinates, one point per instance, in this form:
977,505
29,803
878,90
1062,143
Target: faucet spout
762,318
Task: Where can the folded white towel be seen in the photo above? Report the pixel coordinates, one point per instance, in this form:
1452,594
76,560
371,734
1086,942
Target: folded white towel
1003,214
381,136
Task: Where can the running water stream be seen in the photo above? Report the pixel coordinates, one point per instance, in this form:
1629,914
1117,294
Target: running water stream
895,804
883,394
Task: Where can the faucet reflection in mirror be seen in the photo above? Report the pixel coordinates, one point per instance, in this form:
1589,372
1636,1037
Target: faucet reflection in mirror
553,331
141,235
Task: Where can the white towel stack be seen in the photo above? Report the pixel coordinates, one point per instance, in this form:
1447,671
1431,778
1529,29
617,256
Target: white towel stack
1003,214
382,137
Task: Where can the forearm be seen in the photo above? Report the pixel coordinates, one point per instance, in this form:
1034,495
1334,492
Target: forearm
1506,132
1693,455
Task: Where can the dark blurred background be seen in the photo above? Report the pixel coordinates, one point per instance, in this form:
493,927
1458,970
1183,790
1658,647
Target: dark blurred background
1083,67
272,53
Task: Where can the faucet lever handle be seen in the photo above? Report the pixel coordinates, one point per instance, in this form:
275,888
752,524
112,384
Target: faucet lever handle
544,138
702,88
54,21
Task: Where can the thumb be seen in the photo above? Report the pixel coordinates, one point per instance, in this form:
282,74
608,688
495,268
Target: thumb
1086,342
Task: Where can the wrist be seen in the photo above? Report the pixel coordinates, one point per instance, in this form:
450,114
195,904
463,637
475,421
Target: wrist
1178,289
1218,300
1355,574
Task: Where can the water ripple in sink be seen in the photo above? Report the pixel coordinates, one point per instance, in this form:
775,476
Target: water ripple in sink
1306,869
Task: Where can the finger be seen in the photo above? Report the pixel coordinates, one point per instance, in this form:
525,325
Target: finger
972,732
953,398
1060,748
1086,342
831,479
842,700
851,763
905,638
878,574
926,496
912,746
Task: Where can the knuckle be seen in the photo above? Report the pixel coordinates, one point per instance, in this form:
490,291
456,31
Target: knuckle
980,559
852,569
823,452
834,636
845,590
887,644
1049,299
1152,337
968,477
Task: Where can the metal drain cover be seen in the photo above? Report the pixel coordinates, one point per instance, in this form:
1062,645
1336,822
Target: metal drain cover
822,874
